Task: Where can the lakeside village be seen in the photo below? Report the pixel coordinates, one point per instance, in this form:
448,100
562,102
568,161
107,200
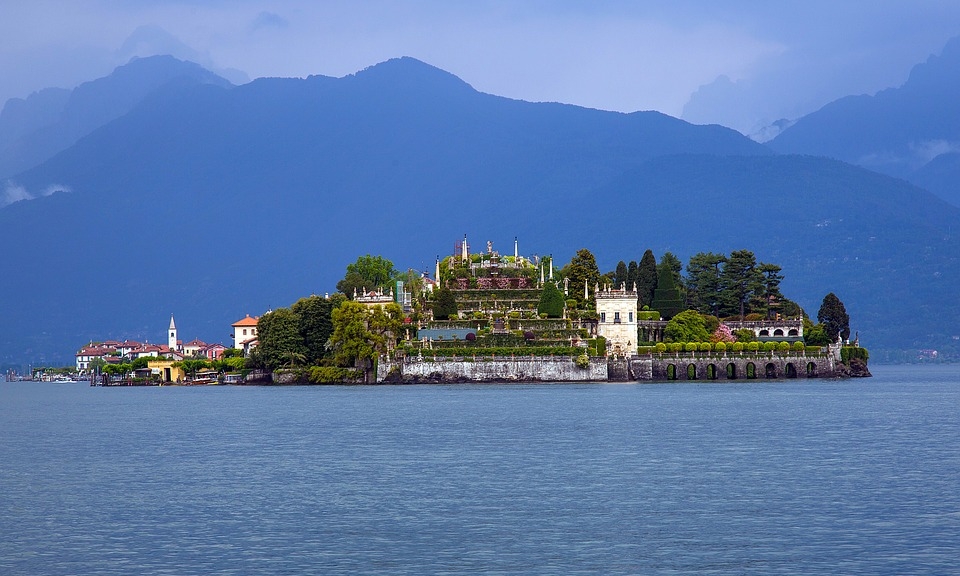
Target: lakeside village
488,317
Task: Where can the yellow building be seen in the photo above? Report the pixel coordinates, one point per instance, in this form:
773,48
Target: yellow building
166,370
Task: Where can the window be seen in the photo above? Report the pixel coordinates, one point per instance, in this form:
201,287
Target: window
631,317
603,316
244,331
616,317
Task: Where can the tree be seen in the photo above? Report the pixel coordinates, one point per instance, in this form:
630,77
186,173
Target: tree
315,324
646,279
771,296
367,273
444,304
703,282
361,333
581,271
833,316
278,336
687,326
551,301
620,275
740,281
670,262
632,275
666,298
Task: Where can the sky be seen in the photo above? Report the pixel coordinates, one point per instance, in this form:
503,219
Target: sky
743,64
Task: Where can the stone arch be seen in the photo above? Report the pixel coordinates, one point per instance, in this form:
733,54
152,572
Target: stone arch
770,370
811,370
790,371
751,370
778,332
671,371
711,371
793,332
731,371
764,332
691,371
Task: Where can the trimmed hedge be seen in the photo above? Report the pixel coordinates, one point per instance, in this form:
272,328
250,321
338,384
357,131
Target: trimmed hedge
848,353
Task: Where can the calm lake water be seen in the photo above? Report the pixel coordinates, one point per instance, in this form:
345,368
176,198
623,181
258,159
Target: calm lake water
791,477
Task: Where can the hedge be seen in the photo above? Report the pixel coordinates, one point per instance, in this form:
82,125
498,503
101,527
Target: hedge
848,353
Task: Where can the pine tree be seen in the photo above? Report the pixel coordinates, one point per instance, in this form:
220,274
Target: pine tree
703,282
833,316
581,270
740,282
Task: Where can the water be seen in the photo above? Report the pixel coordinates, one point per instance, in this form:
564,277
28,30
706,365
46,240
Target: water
795,477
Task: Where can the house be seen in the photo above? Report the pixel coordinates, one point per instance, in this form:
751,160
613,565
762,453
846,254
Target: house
245,332
89,353
213,351
193,347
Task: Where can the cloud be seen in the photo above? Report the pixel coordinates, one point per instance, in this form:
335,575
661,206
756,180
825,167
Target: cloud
13,192
269,20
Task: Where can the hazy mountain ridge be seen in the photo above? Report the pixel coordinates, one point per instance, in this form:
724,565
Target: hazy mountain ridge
49,121
212,202
897,131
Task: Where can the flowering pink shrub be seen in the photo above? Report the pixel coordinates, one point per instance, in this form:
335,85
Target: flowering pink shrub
722,334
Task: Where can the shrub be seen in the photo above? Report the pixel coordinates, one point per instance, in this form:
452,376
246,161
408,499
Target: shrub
753,346
848,353
643,350
744,335
471,337
674,347
798,346
737,346
661,347
783,346
333,375
513,314
720,346
753,317
582,361
690,347
529,335
705,347
769,346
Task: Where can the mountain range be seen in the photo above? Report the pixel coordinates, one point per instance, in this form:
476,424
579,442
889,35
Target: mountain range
212,201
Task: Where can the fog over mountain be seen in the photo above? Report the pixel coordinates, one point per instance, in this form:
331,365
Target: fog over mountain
211,201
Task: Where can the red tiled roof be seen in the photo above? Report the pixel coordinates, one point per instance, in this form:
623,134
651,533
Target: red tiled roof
248,321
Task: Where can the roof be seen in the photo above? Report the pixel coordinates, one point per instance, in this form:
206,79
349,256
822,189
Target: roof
248,321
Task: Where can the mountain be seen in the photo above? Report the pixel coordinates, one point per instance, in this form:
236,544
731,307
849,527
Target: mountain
211,202
49,121
897,131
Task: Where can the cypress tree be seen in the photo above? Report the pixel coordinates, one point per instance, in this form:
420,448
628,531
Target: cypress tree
632,275
666,297
444,304
646,279
833,316
620,275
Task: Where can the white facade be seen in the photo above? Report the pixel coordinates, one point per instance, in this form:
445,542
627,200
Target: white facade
617,320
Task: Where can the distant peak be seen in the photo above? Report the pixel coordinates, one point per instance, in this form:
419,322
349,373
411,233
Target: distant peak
412,72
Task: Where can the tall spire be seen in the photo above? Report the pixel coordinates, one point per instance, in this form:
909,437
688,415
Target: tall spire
172,334
437,273
516,251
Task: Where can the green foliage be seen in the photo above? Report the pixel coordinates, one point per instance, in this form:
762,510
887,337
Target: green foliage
769,346
816,336
581,272
333,375
315,324
362,333
740,281
620,275
705,347
798,346
783,346
720,346
833,316
367,273
711,323
598,346
703,282
687,326
582,361
690,347
646,278
648,315
661,347
737,346
444,304
848,353
551,301
752,346
279,338
744,335
666,298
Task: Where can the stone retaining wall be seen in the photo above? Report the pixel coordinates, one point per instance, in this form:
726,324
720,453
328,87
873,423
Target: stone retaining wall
517,369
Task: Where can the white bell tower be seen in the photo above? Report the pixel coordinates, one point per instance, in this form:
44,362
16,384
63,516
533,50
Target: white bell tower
172,334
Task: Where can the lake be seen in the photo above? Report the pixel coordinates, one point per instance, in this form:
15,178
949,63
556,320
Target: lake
788,477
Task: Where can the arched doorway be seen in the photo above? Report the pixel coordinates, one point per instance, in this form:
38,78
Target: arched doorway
711,371
751,370
692,372
790,371
671,371
770,370
731,371
811,370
